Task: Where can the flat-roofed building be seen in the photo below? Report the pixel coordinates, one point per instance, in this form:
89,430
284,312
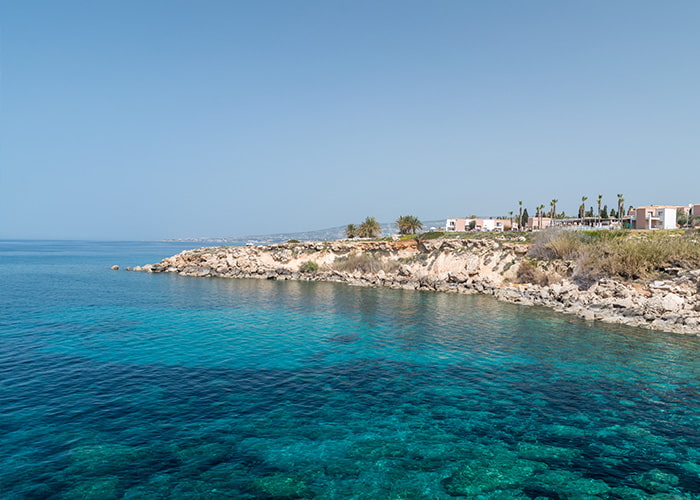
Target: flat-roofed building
477,224
656,217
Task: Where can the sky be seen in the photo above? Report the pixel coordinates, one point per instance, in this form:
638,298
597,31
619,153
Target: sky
177,119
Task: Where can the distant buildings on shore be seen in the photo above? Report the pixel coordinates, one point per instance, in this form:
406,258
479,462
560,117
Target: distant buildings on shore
645,217
476,224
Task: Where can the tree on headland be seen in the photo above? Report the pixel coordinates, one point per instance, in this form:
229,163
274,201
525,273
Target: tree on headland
553,204
620,206
540,210
525,218
621,212
370,228
350,230
520,216
582,208
408,224
686,219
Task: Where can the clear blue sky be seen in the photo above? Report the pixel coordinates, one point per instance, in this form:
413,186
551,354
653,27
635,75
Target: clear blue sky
168,119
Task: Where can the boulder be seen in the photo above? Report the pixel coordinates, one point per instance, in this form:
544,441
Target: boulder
672,302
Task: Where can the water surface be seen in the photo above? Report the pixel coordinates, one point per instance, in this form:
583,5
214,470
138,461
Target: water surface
130,385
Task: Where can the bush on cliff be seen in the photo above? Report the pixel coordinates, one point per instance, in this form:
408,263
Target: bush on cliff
529,272
308,267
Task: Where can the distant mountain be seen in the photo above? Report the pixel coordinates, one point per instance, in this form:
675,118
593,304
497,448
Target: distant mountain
332,233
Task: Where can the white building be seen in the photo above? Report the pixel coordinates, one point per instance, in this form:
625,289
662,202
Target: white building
655,217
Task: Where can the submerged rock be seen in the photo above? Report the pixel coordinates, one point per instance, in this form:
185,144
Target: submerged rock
656,481
104,488
483,476
282,487
105,457
545,453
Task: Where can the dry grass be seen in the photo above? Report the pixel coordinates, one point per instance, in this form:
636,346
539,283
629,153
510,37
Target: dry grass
364,263
556,243
625,254
645,256
529,272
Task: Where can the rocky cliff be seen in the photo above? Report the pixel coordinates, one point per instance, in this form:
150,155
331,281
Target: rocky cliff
461,266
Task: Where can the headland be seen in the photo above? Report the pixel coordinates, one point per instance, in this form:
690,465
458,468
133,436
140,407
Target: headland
504,268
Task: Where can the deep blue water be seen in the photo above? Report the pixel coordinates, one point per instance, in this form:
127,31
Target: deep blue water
129,385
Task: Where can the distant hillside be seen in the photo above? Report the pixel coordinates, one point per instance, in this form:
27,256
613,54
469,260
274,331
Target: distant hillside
333,233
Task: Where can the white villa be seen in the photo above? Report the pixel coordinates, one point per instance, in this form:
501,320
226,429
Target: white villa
477,225
661,216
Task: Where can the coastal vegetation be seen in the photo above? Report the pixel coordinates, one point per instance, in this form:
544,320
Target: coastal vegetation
308,267
620,254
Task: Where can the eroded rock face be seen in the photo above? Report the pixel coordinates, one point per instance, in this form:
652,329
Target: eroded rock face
458,266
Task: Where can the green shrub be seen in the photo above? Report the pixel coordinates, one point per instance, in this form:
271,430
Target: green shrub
293,241
308,267
431,235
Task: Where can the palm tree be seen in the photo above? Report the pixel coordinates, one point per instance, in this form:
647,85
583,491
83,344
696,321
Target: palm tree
408,224
350,230
511,219
520,216
414,224
553,203
620,206
582,208
600,200
540,209
369,228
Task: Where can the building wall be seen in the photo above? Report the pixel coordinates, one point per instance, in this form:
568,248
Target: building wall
456,224
668,218
534,222
655,217
641,221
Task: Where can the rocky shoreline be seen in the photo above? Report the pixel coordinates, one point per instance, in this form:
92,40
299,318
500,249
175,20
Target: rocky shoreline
458,266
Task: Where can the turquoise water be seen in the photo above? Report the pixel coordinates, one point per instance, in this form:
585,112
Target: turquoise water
129,385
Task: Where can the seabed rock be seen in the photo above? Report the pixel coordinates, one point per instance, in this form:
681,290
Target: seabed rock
483,476
656,481
104,488
282,487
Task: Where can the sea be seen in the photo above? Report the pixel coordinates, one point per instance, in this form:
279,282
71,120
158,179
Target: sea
129,385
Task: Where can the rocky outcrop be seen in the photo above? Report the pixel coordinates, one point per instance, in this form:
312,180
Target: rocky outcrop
460,266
